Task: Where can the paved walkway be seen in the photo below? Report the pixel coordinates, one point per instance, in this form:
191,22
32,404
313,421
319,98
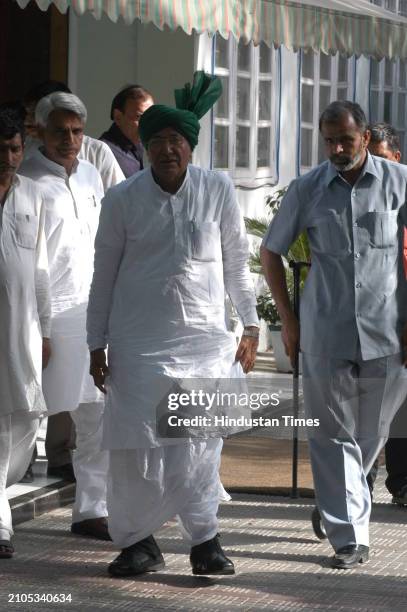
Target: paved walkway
281,566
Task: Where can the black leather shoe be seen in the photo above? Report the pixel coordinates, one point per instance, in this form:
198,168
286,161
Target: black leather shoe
65,472
139,558
96,528
350,556
208,558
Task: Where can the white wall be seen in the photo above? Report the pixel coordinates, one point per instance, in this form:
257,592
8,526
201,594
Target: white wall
104,56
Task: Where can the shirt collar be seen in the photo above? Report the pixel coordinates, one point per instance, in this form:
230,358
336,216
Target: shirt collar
166,194
52,166
116,136
368,168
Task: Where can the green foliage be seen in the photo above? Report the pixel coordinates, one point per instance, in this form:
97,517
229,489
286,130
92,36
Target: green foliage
299,251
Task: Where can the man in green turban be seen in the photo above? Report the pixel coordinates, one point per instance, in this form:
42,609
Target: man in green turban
171,241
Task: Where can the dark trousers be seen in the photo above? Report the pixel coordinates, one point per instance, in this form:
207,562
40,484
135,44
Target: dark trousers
60,439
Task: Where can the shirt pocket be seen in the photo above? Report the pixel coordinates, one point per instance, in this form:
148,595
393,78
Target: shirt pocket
382,228
206,244
26,230
328,235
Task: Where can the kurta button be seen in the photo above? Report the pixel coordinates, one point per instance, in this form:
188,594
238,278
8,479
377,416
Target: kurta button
357,255
358,285
355,224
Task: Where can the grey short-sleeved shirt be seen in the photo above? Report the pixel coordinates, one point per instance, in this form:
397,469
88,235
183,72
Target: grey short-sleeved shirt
356,288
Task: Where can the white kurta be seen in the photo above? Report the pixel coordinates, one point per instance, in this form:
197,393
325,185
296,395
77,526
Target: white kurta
162,265
24,298
94,151
72,205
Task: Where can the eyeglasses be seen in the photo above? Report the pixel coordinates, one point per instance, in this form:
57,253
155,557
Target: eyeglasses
173,141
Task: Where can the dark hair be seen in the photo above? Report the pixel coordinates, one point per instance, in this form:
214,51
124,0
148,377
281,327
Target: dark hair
130,92
384,132
39,91
11,122
336,110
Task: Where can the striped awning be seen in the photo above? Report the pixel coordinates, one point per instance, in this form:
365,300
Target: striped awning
348,26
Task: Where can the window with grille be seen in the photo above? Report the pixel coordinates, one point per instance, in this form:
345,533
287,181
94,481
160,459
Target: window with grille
244,131
388,85
323,79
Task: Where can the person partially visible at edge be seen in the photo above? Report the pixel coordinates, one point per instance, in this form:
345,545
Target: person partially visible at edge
123,135
353,316
72,190
25,315
92,150
385,142
170,241
60,436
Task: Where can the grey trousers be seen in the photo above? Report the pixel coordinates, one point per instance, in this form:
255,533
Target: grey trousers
355,402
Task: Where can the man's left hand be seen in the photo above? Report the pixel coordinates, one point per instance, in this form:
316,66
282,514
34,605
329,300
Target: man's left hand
404,345
46,352
246,352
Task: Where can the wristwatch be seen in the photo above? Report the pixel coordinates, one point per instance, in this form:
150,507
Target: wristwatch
252,333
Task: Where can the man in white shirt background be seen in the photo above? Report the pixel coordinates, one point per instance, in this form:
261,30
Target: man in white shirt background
24,314
60,436
72,191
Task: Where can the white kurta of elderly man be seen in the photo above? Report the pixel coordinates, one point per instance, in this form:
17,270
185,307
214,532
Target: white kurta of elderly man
25,320
72,211
162,266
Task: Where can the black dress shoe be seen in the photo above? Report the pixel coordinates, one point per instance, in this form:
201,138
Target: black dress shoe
350,556
65,472
96,528
208,558
139,558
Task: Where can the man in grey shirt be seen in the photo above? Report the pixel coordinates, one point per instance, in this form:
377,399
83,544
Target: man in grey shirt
353,315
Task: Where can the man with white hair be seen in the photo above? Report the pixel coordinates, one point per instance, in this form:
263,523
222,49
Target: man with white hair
72,190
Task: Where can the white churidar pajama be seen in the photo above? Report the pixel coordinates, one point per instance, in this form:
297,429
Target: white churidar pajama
25,320
149,486
162,264
72,208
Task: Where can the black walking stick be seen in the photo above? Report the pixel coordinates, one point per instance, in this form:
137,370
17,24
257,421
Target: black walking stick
296,267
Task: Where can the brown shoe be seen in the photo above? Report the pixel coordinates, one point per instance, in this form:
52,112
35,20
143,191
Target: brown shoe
92,528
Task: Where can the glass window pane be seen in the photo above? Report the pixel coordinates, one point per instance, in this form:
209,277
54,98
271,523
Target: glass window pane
222,106
243,98
307,105
265,100
375,72
402,73
391,5
388,97
306,148
342,93
221,53
374,106
244,56
388,71
221,146
263,147
325,66
242,146
343,63
307,66
324,97
265,58
403,7
401,111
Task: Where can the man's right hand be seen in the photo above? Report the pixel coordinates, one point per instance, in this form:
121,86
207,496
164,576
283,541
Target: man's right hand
290,335
98,368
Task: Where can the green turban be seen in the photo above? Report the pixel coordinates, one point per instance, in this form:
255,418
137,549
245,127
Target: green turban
191,104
